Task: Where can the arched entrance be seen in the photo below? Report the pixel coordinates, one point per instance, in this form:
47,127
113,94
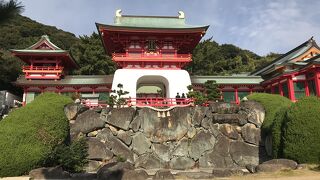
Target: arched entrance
152,87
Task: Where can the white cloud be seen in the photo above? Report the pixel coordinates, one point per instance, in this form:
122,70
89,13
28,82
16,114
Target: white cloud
277,26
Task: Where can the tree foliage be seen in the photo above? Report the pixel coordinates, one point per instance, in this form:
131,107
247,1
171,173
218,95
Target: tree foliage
91,57
210,92
210,58
9,9
117,97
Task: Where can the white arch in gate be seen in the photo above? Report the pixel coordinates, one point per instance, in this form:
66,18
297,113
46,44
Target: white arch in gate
175,80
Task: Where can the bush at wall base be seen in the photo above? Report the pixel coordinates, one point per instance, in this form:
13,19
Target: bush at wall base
31,133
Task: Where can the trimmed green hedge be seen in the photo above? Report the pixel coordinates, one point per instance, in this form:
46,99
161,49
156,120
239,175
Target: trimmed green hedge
277,132
31,133
272,104
302,131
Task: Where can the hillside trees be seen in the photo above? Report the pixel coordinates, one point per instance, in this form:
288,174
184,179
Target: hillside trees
9,9
210,58
90,55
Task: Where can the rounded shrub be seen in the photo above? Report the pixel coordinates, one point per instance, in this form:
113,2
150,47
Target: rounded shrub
276,131
31,133
272,104
302,131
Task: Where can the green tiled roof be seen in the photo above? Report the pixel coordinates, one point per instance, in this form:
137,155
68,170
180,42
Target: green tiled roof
43,39
235,79
39,51
69,80
150,22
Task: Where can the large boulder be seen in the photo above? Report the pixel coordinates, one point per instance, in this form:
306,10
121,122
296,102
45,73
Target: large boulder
199,113
135,124
219,157
119,148
235,119
182,148
71,111
125,136
162,129
86,122
223,108
105,134
135,174
149,161
244,154
92,166
113,171
163,174
229,131
140,144
276,165
83,176
97,150
251,134
163,151
254,111
213,159
49,173
104,114
181,163
201,142
121,117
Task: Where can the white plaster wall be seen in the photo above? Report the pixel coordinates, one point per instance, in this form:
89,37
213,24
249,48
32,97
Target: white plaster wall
178,80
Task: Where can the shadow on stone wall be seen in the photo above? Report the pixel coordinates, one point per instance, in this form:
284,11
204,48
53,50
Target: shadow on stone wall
219,136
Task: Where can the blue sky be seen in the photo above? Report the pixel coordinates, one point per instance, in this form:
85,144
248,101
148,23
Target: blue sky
261,26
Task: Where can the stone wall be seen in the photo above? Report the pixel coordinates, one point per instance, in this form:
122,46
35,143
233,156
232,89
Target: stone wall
218,136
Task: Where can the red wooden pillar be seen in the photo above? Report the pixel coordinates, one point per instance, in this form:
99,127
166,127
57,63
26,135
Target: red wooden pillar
280,88
251,90
317,83
291,89
306,87
236,95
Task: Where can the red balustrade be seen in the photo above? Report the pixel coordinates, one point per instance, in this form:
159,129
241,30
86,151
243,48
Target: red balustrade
41,68
144,102
151,57
42,72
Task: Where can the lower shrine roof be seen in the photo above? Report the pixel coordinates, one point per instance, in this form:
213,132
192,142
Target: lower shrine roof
69,81
228,80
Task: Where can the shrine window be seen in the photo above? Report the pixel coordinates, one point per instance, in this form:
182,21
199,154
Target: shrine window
285,91
134,45
228,96
299,89
167,45
151,45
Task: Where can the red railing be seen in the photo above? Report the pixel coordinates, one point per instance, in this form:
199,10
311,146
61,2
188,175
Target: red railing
159,102
144,102
41,68
150,57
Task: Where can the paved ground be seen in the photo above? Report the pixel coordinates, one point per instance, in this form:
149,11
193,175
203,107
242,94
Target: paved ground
304,174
